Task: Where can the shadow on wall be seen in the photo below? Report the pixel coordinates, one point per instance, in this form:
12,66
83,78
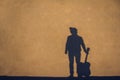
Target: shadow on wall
74,44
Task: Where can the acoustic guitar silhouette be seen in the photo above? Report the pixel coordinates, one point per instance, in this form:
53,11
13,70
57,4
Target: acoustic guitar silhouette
84,68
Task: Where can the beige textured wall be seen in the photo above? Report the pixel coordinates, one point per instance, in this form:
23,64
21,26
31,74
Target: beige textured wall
33,35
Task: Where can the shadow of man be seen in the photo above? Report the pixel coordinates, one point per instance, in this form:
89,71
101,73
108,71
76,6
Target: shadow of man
73,48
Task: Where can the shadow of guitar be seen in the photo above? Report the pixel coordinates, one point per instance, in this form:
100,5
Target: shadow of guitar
84,68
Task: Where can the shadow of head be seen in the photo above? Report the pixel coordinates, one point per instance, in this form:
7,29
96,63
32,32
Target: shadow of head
73,30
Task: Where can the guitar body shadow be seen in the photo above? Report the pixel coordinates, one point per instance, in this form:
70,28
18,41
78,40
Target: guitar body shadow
84,69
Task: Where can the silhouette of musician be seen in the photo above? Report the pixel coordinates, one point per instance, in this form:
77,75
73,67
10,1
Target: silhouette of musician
73,48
